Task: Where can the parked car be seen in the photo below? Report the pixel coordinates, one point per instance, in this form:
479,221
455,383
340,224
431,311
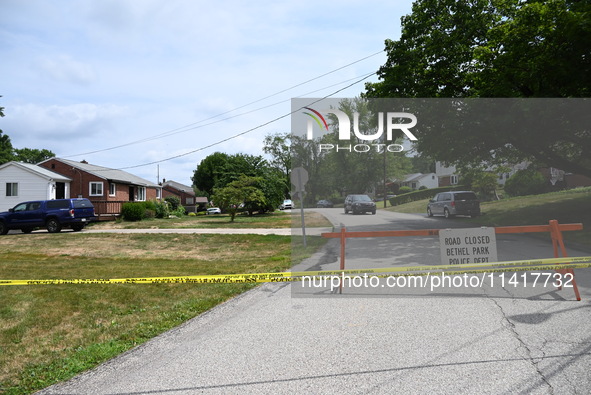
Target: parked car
450,204
286,205
324,204
359,204
50,214
213,210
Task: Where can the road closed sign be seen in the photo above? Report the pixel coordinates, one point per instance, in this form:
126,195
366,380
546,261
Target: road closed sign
472,245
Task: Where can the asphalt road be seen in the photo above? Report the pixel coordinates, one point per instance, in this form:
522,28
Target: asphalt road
283,338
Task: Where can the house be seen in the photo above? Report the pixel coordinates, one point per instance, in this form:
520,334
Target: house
20,182
107,188
418,180
446,175
556,178
185,194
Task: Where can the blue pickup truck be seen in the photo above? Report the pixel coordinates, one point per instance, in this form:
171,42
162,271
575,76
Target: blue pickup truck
50,214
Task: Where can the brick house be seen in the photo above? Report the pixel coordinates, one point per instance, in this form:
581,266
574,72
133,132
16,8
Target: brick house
103,185
186,195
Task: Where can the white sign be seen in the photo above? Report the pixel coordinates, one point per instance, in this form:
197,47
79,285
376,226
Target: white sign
473,245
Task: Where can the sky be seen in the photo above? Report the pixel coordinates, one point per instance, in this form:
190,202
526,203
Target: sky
128,84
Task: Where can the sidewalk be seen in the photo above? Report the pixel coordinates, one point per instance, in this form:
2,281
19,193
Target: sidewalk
233,231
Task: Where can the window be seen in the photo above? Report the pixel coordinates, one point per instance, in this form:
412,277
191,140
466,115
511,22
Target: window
189,201
158,193
112,189
453,179
56,204
12,189
96,189
141,194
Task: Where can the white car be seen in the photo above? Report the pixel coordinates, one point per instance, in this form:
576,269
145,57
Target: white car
286,205
213,210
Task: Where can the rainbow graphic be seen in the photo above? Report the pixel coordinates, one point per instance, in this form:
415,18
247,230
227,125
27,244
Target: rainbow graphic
316,118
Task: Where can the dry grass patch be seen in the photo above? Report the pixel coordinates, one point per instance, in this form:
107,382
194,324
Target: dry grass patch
50,333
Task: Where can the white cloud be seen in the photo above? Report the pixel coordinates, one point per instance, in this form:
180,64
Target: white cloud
106,73
63,68
52,124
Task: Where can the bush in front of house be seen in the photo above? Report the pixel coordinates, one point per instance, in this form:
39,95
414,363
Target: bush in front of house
133,211
174,202
525,182
162,209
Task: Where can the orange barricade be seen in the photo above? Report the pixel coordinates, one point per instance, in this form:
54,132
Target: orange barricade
553,227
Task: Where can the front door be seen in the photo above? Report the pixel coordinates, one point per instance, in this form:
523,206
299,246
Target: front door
131,194
60,190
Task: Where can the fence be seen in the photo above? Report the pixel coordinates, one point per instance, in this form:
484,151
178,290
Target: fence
553,227
108,209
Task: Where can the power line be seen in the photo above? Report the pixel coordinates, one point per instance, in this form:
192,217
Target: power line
197,125
246,131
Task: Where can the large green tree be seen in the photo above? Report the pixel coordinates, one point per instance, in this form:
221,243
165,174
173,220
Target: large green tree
32,155
219,170
494,49
278,146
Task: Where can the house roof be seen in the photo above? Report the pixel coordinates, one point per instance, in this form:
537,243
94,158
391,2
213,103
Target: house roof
107,173
38,170
179,187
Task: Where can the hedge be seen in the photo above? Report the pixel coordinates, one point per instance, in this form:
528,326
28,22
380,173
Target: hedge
422,194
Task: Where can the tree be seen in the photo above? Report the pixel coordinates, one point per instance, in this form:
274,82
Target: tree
240,192
345,171
209,171
278,145
219,170
525,182
485,48
32,155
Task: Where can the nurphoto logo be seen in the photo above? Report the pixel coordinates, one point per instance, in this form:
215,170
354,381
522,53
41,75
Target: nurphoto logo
394,122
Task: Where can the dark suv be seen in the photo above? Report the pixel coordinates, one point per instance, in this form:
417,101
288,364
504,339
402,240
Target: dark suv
50,214
359,204
454,203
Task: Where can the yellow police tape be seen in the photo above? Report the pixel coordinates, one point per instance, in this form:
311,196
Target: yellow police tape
470,268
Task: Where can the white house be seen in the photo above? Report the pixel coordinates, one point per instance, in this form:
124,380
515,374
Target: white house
418,180
448,175
20,182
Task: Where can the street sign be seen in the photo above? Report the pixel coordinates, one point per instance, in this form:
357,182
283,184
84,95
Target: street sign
472,245
299,178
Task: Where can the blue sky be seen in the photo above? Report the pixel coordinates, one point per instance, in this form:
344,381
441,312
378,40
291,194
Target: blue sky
89,75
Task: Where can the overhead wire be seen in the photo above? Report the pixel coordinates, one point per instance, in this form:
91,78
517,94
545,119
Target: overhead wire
246,131
196,125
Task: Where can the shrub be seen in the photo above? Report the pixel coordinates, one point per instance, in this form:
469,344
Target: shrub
149,213
149,205
162,209
525,182
133,211
174,202
404,190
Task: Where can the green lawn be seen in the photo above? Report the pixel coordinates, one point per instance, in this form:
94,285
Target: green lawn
49,333
571,206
